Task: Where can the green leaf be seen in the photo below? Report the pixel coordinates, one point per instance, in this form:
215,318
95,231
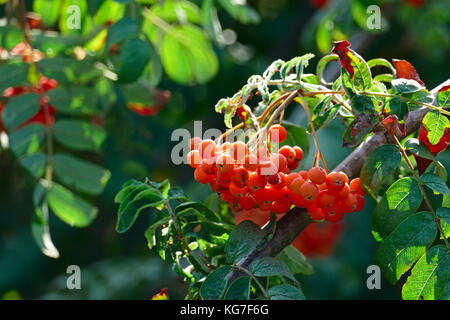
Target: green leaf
404,86
120,31
418,148
20,109
295,261
240,11
285,292
39,223
211,232
13,74
74,100
296,136
444,216
200,207
443,97
177,11
379,165
187,56
435,123
35,164
132,207
362,104
435,183
239,289
396,106
48,10
243,239
401,200
150,233
70,208
109,10
134,57
405,245
214,285
267,267
430,275
79,174
440,170
27,140
79,135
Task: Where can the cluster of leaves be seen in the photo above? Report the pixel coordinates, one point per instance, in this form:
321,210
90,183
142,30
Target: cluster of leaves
201,243
100,53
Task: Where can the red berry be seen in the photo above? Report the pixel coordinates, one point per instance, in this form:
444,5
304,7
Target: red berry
256,181
201,176
343,193
315,212
317,175
224,163
250,163
207,148
246,202
237,191
289,153
281,206
277,180
277,133
296,184
239,176
208,165
298,153
325,199
227,196
309,191
280,162
334,213
360,200
193,158
335,181
238,151
355,187
350,203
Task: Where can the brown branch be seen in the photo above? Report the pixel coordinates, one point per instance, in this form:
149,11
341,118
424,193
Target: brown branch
295,221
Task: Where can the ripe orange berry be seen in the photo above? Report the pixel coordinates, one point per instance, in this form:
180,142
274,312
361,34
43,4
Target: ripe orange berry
226,196
234,206
343,193
289,153
250,162
304,175
237,191
207,148
345,176
208,165
334,213
315,212
225,147
298,153
355,187
239,176
290,177
309,191
247,202
224,163
267,168
350,203
279,161
201,176
296,184
277,133
293,165
194,143
256,181
193,158
262,198
335,181
214,185
360,200
238,151
281,206
317,175
325,199
277,180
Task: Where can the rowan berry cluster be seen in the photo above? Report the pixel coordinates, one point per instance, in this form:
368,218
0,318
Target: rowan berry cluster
265,180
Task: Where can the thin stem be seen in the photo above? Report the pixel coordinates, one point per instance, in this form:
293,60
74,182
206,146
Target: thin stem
313,131
261,287
271,106
422,190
